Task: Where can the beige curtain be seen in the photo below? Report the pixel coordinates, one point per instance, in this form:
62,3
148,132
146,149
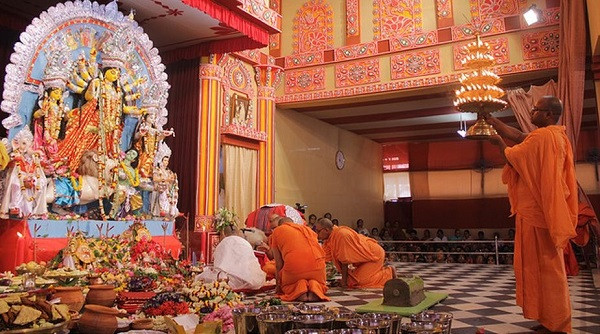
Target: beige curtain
240,180
521,102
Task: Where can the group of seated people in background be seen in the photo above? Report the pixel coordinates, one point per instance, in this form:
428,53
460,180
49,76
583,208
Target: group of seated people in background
433,252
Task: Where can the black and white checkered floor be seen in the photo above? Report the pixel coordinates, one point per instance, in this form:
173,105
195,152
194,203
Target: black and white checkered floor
482,296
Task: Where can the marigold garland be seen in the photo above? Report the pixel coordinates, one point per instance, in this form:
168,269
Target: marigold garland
77,184
133,181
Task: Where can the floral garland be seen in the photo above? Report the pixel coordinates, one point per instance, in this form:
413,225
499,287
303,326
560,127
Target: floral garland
22,168
77,184
133,181
208,297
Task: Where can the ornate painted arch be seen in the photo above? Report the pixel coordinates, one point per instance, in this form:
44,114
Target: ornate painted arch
236,78
313,27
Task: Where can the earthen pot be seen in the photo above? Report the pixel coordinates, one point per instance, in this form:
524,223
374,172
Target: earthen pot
141,324
102,294
95,280
70,295
97,319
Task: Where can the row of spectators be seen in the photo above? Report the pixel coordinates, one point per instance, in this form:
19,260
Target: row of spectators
449,252
440,252
412,234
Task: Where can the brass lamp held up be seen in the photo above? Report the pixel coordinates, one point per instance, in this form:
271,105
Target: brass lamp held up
478,92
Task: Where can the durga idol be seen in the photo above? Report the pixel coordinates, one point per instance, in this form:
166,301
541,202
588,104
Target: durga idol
97,124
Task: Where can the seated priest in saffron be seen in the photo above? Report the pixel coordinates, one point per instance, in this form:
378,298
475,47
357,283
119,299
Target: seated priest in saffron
269,266
234,255
346,247
299,262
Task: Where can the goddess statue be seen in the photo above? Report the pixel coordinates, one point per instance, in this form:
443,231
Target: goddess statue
147,138
126,198
97,124
25,191
82,123
94,65
47,119
166,187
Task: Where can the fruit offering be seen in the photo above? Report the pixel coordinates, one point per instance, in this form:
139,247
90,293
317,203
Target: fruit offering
32,267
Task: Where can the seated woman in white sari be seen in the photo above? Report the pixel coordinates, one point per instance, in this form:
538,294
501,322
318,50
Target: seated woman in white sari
235,257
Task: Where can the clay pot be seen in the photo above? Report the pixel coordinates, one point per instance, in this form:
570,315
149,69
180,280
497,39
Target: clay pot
70,295
98,319
103,294
141,324
95,280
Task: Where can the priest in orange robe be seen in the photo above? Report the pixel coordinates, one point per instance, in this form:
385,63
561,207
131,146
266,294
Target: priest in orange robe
542,190
269,266
299,261
345,247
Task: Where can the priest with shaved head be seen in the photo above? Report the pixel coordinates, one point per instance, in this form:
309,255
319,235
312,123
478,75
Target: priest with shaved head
345,247
542,189
299,262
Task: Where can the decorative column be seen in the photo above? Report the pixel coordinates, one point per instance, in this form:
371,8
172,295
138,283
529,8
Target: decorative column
267,78
208,142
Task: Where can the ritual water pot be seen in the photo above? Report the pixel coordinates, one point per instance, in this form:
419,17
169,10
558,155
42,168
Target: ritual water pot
98,319
70,295
102,294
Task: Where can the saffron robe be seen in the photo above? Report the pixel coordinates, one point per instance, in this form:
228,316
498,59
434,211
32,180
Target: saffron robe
346,246
543,195
303,261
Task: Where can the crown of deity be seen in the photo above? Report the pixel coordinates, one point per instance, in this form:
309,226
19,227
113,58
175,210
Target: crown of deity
163,151
155,97
115,50
24,134
58,65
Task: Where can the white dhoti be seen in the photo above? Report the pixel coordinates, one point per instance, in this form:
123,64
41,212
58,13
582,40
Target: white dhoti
235,256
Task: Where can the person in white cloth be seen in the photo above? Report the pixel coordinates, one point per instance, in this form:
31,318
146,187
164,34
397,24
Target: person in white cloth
235,257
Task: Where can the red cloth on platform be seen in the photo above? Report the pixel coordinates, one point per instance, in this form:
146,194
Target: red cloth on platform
13,248
16,249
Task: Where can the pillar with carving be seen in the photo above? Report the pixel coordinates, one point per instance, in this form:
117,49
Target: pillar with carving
267,78
208,142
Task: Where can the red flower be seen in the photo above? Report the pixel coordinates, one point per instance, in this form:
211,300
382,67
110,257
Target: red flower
168,308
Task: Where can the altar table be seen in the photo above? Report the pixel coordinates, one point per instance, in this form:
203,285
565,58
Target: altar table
17,237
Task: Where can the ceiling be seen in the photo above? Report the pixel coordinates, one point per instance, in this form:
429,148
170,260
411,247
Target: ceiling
186,25
425,114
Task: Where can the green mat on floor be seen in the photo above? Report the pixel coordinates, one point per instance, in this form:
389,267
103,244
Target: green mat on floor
431,298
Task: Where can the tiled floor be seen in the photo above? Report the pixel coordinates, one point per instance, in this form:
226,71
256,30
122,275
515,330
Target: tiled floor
483,296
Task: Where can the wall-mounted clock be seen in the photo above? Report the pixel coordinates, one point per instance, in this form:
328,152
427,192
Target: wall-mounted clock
340,160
